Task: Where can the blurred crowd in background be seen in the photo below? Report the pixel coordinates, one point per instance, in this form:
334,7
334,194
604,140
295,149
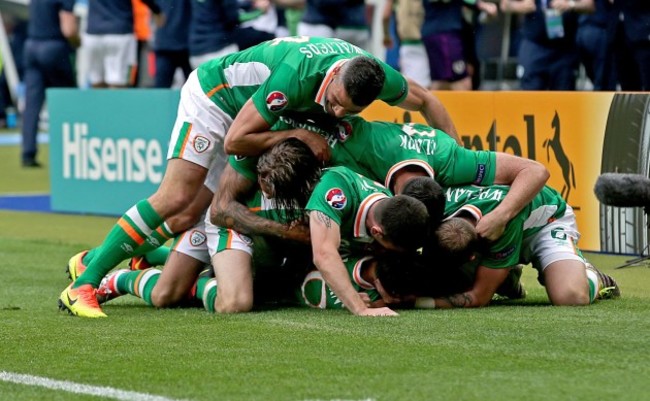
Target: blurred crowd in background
441,44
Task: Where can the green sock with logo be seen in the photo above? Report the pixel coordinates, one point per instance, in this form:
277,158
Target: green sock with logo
128,234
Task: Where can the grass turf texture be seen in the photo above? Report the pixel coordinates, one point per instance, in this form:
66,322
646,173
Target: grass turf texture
526,350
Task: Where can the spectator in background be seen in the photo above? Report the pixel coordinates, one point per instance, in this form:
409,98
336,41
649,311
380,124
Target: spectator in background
52,35
171,42
258,22
142,32
110,43
594,47
17,35
413,59
212,30
342,19
442,34
548,58
636,23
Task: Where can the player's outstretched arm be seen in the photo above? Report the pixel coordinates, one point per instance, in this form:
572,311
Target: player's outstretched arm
526,178
424,101
326,238
229,211
485,286
249,135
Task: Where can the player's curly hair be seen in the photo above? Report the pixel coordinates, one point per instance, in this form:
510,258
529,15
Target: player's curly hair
290,170
362,78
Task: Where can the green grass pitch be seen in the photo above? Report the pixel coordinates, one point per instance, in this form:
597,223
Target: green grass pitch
524,351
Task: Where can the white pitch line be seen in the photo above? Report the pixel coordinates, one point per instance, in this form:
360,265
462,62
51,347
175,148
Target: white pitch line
79,388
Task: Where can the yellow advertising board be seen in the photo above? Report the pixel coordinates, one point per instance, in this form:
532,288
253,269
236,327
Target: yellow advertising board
563,130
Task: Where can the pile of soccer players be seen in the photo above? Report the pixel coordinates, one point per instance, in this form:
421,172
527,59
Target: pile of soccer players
315,205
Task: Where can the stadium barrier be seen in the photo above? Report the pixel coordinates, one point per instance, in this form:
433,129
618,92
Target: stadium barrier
108,148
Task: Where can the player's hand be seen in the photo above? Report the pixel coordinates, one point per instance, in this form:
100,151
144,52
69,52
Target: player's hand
298,231
491,226
317,144
488,8
377,312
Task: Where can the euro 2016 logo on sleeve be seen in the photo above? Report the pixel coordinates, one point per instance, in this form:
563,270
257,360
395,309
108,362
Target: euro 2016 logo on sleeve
201,144
336,198
276,101
344,130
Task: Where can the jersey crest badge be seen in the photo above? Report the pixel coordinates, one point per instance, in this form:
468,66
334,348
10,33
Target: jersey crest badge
336,198
344,130
197,238
276,101
201,144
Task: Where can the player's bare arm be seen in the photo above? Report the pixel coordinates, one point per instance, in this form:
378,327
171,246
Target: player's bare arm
229,211
485,286
249,135
424,101
526,178
326,238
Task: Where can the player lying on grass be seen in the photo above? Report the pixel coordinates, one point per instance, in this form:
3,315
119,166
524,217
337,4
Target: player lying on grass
544,234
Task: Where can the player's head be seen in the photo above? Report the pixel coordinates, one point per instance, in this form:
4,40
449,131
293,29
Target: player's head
287,173
400,274
402,223
457,239
429,192
355,85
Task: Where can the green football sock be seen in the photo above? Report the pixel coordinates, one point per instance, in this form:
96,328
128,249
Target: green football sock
129,233
155,240
206,292
139,283
158,256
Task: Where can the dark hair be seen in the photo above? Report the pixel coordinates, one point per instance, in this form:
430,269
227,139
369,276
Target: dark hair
428,191
401,274
363,78
291,170
405,221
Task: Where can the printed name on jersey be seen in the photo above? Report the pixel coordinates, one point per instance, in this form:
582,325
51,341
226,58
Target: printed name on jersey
336,198
276,101
201,144
480,173
197,238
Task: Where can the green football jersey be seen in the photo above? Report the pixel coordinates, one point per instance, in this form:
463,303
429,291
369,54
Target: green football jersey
345,197
314,292
379,149
286,74
547,206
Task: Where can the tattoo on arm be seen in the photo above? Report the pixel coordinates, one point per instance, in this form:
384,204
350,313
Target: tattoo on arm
242,220
325,219
459,300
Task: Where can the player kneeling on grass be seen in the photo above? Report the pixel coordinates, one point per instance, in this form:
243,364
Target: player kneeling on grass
544,233
294,170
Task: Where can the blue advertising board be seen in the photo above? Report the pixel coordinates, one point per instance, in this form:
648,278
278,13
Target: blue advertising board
108,148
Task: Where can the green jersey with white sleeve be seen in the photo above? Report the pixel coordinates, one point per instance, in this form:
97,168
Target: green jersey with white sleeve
286,74
505,252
